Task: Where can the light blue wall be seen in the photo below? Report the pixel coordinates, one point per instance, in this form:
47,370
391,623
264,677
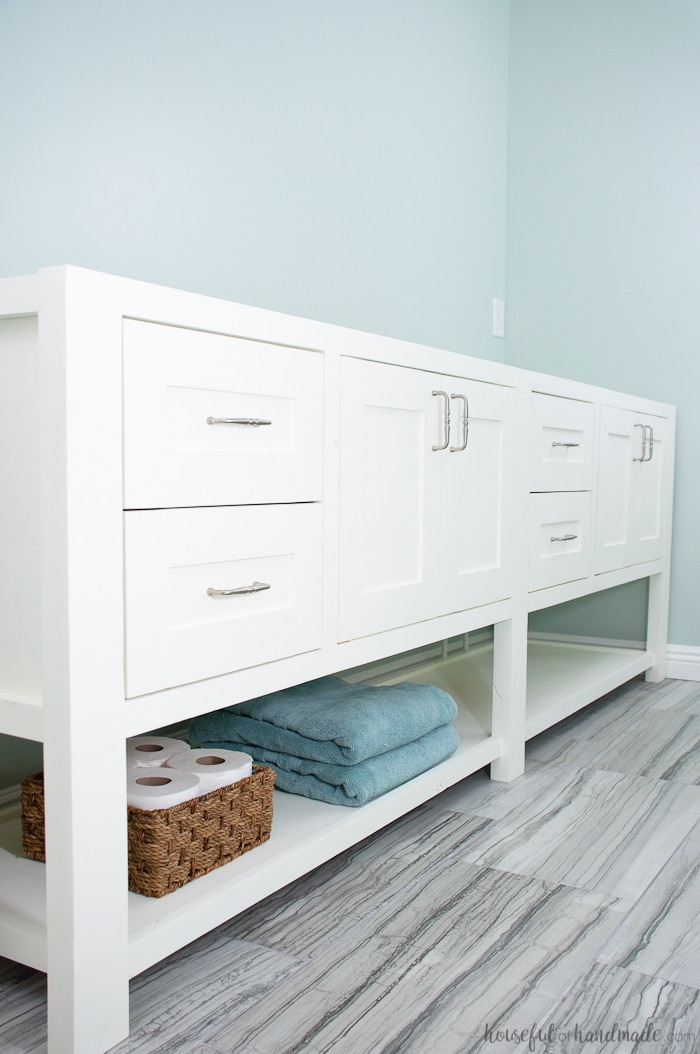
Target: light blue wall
341,161
603,272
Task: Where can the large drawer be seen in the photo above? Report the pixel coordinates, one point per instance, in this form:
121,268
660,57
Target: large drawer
177,631
560,538
562,444
218,420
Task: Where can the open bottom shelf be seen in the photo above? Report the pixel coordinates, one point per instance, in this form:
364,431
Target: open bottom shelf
305,833
562,678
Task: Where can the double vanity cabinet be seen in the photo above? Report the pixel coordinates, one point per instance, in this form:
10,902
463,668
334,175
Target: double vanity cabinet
204,502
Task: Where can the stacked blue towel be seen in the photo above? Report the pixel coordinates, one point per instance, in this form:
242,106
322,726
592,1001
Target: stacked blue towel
343,743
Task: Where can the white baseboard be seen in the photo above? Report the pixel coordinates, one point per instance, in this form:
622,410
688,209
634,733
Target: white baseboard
683,662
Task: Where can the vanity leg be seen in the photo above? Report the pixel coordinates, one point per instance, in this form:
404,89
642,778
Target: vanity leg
657,625
509,691
87,921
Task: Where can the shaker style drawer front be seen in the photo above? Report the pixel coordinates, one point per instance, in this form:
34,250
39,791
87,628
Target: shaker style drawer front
560,538
562,444
218,420
209,591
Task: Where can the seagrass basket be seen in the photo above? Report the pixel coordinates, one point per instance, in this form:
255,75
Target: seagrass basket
170,847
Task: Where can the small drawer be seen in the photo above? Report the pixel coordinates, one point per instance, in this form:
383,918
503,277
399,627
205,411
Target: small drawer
562,444
218,420
178,631
560,538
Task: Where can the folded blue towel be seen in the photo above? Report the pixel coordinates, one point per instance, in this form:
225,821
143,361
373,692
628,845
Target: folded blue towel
353,784
330,720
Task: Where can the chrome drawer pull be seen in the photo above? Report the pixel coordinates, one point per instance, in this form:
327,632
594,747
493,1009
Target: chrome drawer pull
465,423
564,538
254,421
566,444
254,587
445,421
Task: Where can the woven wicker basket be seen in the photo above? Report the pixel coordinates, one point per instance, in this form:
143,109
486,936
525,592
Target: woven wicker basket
170,847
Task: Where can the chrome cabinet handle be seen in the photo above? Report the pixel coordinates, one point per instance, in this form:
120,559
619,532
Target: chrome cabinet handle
254,587
563,538
254,421
465,423
445,421
650,430
566,444
644,443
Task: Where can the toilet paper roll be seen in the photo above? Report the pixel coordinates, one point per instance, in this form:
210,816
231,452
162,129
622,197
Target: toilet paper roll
151,751
215,768
159,788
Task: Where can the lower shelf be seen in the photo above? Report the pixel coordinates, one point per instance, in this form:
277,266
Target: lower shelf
562,678
305,833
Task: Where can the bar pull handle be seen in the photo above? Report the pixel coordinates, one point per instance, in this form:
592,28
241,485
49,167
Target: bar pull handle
254,587
445,421
254,422
465,423
563,538
644,443
650,446
565,444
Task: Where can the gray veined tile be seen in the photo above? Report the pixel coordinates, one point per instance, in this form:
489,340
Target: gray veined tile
616,1011
603,831
661,934
319,908
480,796
569,740
446,956
22,1009
658,744
680,696
185,998
22,989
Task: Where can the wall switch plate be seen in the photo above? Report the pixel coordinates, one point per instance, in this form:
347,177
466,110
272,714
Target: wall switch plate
499,317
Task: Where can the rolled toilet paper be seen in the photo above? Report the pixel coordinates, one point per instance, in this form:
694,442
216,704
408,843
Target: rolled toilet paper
159,788
215,768
151,751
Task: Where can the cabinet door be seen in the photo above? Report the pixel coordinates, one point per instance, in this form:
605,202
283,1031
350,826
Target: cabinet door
650,489
389,497
425,516
478,485
630,489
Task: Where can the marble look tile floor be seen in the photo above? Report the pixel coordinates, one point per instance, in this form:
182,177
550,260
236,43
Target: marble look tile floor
559,914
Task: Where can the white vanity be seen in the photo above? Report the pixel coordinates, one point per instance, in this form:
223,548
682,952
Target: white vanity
204,502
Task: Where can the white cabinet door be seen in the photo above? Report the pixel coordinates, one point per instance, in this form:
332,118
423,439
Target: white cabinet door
389,498
425,510
631,481
478,492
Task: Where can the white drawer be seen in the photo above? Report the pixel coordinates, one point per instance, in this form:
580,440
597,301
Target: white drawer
560,538
561,444
176,632
176,380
